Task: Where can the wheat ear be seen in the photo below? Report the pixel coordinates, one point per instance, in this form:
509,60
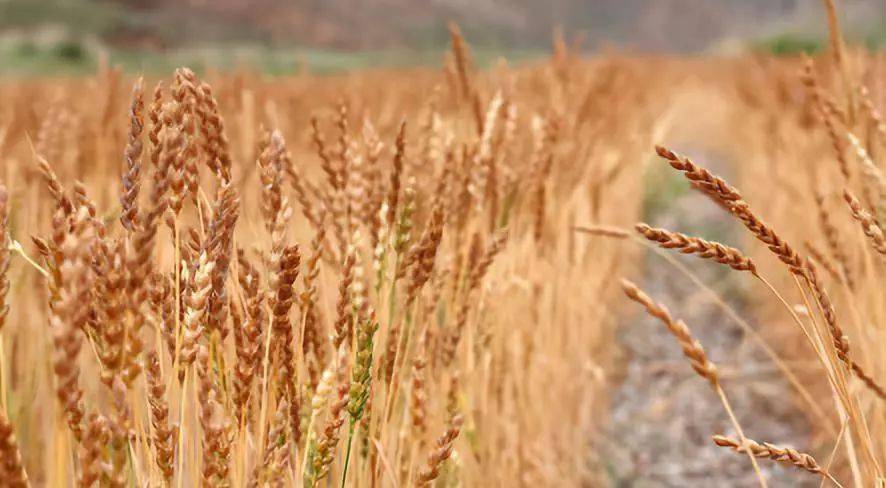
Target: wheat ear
785,455
12,469
868,224
704,249
693,350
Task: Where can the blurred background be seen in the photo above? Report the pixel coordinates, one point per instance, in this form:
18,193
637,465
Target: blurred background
280,36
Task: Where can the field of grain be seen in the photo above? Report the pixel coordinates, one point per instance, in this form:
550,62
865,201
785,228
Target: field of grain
453,277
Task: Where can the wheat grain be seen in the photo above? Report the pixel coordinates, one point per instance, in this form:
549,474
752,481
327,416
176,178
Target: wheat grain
11,467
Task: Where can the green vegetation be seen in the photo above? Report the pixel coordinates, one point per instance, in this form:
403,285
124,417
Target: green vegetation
876,38
72,57
87,17
69,37
789,44
668,187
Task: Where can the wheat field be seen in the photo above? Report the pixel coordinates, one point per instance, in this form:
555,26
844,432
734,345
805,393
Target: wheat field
416,277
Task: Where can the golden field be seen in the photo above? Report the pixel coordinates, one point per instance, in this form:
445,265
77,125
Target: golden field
417,277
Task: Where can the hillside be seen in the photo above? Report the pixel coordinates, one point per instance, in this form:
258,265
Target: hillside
668,25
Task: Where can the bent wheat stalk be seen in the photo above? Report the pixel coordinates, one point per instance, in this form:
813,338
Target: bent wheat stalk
694,351
785,455
720,253
799,266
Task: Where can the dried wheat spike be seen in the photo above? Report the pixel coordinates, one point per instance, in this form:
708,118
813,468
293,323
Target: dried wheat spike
164,433
711,195
115,473
172,164
215,142
314,337
393,197
832,237
270,173
247,335
162,308
140,227
220,237
440,454
110,308
275,460
805,269
4,254
282,296
195,316
426,253
478,265
451,339
93,459
867,379
540,176
12,470
138,262
344,315
691,348
213,422
132,161
841,341
326,161
693,245
186,97
873,182
826,113
709,183
68,316
868,224
818,255
461,56
784,251
160,177
51,179
419,396
155,115
872,112
779,454
478,272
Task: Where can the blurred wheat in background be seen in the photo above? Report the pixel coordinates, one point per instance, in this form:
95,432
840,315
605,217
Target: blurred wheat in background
411,277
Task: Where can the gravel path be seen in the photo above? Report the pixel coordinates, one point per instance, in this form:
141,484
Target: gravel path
663,415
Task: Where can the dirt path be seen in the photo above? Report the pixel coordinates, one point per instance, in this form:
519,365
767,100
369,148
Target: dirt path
663,415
